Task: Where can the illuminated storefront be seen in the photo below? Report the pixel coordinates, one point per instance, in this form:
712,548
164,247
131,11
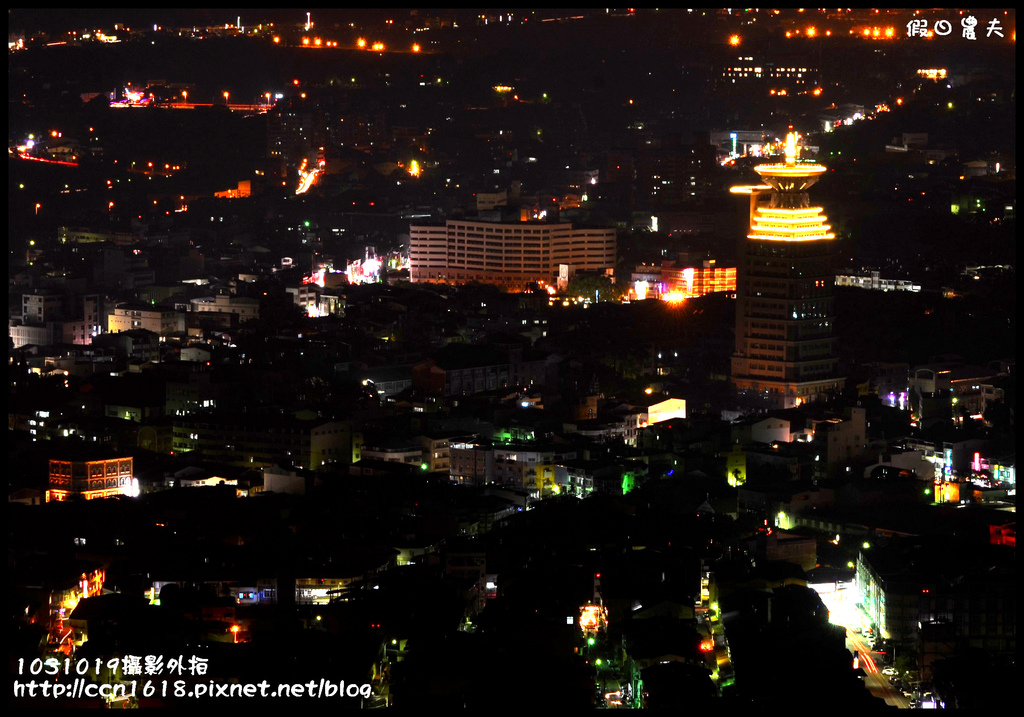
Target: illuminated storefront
677,283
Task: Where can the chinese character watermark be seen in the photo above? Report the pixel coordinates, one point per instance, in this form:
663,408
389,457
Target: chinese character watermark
969,23
918,27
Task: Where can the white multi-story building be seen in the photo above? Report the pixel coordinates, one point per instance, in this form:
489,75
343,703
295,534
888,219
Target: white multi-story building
511,255
246,307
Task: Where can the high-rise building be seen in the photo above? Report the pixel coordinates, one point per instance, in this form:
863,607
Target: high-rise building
785,348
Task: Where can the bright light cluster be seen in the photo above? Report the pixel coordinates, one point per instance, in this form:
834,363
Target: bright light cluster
789,224
364,272
592,618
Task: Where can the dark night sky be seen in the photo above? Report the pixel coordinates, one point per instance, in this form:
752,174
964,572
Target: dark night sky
50,20
31,19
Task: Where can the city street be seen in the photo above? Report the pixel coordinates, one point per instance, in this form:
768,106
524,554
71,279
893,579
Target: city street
843,611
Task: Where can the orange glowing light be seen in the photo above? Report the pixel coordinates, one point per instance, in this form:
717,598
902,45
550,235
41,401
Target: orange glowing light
277,40
591,617
812,31
361,42
867,32
305,41
415,48
378,46
317,42
889,32
789,34
734,40
791,147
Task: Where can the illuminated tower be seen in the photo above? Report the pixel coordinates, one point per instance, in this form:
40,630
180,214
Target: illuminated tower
785,350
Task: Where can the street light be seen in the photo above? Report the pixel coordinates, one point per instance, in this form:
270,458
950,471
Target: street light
225,96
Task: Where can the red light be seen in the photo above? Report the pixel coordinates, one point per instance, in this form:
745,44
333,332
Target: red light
598,575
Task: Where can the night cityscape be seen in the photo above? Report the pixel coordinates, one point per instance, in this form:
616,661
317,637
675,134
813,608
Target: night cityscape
468,359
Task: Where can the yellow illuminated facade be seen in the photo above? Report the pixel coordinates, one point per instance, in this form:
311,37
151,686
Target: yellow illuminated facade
785,350
666,411
698,281
736,466
789,224
677,283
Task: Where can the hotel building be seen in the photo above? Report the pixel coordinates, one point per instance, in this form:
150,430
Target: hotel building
785,349
511,255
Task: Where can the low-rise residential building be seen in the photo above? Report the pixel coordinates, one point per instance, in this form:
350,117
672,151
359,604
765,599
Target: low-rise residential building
259,441
159,320
80,475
